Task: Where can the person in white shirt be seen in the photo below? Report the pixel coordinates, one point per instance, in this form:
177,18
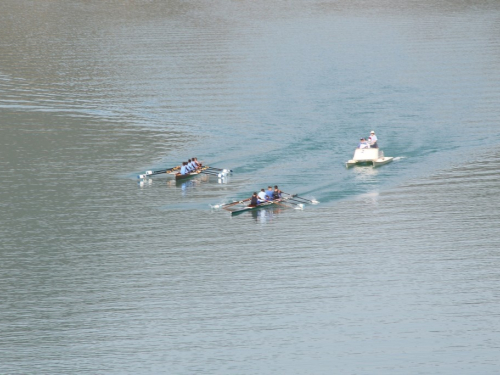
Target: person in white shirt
184,169
372,139
189,166
262,195
193,165
363,143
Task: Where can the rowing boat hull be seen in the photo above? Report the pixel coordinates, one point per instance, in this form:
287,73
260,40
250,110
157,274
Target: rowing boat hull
258,207
368,156
181,177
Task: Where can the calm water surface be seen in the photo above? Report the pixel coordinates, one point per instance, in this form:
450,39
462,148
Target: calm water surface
396,271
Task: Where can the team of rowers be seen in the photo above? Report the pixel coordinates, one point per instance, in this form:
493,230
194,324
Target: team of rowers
192,165
265,196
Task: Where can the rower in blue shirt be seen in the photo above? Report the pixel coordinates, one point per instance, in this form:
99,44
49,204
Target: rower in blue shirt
184,169
193,165
198,164
269,193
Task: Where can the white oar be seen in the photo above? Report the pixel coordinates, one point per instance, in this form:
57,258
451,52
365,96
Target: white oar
152,173
230,204
299,205
212,173
222,170
296,197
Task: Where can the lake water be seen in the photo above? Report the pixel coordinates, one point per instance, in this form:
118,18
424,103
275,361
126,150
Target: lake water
396,271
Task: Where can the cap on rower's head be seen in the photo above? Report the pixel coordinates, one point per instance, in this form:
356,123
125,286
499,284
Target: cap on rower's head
372,132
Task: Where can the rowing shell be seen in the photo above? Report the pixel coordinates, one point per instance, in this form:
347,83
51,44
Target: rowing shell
277,202
175,172
179,177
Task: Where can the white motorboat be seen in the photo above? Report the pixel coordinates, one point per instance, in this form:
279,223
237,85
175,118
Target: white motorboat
373,156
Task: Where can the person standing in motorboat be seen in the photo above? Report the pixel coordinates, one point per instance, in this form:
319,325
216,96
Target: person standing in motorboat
372,140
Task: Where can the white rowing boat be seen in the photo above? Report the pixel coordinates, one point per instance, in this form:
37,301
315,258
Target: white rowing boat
373,156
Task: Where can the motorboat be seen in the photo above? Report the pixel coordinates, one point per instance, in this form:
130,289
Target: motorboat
367,156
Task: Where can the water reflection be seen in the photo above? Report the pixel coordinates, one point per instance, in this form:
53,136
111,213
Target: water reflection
186,186
371,200
145,182
267,215
365,172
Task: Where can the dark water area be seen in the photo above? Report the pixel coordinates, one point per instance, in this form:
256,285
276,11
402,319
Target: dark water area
395,271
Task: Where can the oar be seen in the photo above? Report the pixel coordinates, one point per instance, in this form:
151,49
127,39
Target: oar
212,173
152,173
222,170
230,204
296,197
280,203
306,200
295,204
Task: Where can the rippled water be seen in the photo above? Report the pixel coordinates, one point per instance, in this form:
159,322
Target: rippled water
394,272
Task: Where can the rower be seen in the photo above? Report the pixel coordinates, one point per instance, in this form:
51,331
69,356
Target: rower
197,162
192,165
262,195
254,200
276,193
184,169
269,193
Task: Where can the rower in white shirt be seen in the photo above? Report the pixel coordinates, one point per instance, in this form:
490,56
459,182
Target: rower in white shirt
190,166
184,168
198,164
262,195
193,165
